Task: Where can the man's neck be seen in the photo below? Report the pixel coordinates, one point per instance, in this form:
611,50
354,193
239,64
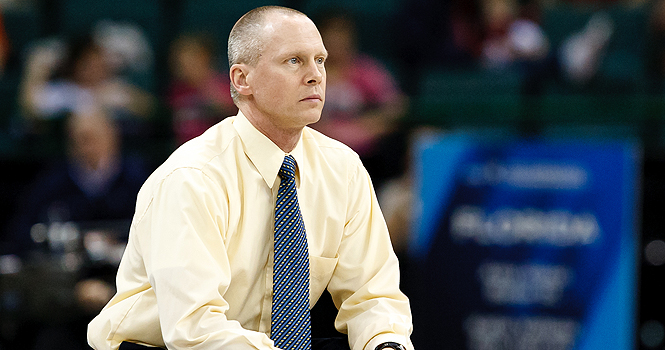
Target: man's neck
285,139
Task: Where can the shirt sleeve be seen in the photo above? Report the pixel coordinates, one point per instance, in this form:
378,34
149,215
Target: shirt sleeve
365,284
187,264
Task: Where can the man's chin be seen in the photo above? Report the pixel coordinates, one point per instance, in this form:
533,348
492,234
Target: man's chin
314,120
312,117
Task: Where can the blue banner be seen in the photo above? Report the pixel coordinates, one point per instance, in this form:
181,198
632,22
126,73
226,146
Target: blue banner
525,245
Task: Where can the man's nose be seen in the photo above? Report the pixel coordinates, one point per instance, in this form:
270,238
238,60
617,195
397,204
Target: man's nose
314,73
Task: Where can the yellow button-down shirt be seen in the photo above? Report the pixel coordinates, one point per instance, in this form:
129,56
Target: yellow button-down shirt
197,270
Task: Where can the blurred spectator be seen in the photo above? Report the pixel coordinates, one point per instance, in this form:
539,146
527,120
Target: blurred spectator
499,35
363,101
94,188
516,41
199,95
513,34
75,78
95,183
127,50
582,52
4,45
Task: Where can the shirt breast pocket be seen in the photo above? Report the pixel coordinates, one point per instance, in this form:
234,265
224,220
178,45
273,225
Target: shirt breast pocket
320,272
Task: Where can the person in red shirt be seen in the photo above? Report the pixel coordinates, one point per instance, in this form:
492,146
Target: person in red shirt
363,100
198,94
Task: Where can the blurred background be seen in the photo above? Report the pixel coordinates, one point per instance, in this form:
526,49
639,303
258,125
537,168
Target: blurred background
95,94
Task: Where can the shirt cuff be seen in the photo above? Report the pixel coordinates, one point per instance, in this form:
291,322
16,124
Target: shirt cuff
384,338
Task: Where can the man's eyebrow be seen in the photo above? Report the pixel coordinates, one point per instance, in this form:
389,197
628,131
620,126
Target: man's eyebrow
300,53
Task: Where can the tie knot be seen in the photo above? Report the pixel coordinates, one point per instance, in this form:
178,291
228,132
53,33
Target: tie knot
288,169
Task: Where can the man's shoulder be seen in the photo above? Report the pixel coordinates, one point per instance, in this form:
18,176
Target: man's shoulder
334,158
197,153
327,145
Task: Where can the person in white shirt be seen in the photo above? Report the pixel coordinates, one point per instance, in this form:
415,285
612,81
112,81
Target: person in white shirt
197,272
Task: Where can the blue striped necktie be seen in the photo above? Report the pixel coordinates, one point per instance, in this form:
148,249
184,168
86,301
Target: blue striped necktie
290,329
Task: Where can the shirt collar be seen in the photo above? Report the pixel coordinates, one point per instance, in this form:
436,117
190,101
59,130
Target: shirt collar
266,156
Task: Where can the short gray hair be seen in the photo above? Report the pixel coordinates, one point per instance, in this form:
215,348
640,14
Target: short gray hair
245,40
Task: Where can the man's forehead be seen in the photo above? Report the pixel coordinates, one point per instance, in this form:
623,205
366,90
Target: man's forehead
292,31
276,22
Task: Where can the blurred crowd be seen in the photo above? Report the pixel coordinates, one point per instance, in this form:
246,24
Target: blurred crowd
96,110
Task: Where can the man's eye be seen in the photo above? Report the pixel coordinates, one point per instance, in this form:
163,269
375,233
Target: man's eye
293,60
320,60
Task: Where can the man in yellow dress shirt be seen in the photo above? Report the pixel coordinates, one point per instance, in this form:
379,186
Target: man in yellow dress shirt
197,270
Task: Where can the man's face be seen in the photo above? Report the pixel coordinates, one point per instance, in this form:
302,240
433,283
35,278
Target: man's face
288,82
93,140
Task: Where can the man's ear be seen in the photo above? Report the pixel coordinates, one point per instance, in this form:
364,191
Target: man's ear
238,74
